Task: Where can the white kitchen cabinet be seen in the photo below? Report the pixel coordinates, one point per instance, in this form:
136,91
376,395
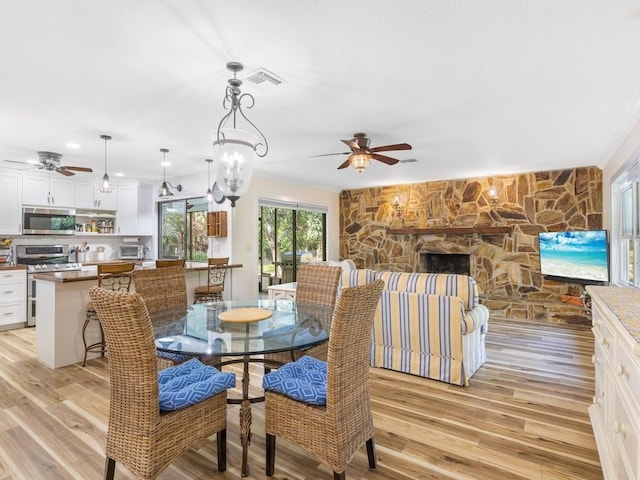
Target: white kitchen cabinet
89,196
615,412
11,211
135,210
48,190
13,298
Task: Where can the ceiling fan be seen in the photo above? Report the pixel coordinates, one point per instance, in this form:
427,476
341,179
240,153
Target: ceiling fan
50,161
360,155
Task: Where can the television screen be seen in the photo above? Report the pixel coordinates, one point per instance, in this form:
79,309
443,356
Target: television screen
582,256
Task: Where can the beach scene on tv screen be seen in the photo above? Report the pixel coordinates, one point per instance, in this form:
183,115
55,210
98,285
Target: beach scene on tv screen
581,255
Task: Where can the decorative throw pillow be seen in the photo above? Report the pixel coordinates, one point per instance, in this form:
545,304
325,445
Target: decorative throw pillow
174,357
304,380
189,383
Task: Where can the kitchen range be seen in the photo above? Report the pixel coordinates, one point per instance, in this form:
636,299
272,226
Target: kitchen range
42,259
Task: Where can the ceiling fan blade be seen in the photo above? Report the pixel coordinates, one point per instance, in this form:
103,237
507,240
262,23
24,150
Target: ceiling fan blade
388,148
345,164
78,169
351,144
385,159
64,171
330,154
17,161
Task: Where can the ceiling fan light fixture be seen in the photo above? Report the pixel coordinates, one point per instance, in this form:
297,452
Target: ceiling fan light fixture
360,161
105,184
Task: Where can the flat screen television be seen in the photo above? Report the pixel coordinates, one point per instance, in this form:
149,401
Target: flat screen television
575,256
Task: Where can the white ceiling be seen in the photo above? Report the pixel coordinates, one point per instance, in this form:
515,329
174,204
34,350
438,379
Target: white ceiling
478,88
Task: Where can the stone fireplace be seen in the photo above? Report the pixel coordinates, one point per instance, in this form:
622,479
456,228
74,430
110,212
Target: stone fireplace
446,263
500,239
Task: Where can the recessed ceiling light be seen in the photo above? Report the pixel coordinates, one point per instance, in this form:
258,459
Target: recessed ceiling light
165,164
72,145
119,174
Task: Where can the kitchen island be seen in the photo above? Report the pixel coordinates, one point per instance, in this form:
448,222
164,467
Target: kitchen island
61,306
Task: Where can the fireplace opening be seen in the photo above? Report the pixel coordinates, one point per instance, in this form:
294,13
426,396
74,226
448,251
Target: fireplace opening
459,263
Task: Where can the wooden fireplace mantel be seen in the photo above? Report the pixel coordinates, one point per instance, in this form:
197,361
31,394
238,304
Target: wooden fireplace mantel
449,230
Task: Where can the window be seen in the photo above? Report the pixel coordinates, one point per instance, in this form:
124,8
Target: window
183,229
625,215
284,229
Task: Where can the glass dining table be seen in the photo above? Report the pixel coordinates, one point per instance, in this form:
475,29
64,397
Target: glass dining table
229,332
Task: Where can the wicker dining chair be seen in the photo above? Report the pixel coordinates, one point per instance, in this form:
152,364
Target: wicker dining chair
162,263
141,436
163,289
336,430
212,291
112,276
316,284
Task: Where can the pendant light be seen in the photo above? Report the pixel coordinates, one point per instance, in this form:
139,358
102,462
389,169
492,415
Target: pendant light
235,150
105,183
165,189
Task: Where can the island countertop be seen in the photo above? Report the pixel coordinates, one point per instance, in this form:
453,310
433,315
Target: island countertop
624,303
86,275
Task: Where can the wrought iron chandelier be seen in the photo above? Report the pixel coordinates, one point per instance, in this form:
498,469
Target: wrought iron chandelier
235,150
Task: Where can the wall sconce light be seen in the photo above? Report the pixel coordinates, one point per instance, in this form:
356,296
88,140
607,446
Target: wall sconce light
165,192
493,196
396,204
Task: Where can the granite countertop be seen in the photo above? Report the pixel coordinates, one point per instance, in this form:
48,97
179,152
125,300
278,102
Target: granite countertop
86,275
624,303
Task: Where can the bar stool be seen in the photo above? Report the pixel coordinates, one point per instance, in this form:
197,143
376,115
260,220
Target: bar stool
162,263
212,291
111,276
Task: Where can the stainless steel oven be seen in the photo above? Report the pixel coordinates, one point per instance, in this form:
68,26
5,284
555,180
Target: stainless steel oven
41,259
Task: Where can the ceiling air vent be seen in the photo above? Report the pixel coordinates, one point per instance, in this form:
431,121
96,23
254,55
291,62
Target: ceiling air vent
262,75
409,160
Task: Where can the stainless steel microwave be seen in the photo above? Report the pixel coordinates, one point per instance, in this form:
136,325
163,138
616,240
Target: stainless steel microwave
48,221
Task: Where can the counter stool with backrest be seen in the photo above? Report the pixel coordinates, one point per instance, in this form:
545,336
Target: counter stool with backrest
212,291
162,263
111,276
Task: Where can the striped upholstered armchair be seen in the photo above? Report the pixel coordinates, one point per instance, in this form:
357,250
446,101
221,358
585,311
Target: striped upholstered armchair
427,324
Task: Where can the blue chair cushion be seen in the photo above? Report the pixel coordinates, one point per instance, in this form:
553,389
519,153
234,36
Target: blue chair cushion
191,382
174,357
304,380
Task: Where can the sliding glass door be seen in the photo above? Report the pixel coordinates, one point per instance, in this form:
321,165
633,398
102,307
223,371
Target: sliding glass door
183,229
289,236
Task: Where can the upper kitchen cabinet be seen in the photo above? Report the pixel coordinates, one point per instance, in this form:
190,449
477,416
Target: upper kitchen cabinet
48,191
11,211
135,210
89,196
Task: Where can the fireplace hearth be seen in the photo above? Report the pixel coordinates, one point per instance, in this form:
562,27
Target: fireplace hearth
459,263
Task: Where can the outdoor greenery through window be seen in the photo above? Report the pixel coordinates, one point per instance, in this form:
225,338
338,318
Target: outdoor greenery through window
183,229
284,230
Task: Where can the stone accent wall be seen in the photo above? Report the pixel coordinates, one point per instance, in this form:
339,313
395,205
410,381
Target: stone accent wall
506,266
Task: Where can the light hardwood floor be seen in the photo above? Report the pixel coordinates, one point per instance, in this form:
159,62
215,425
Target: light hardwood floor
524,416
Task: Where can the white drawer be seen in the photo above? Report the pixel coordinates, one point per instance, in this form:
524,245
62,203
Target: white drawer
12,292
604,337
13,313
11,276
626,437
627,371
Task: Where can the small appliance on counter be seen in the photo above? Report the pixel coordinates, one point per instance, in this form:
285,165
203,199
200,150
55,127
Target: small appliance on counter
131,252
